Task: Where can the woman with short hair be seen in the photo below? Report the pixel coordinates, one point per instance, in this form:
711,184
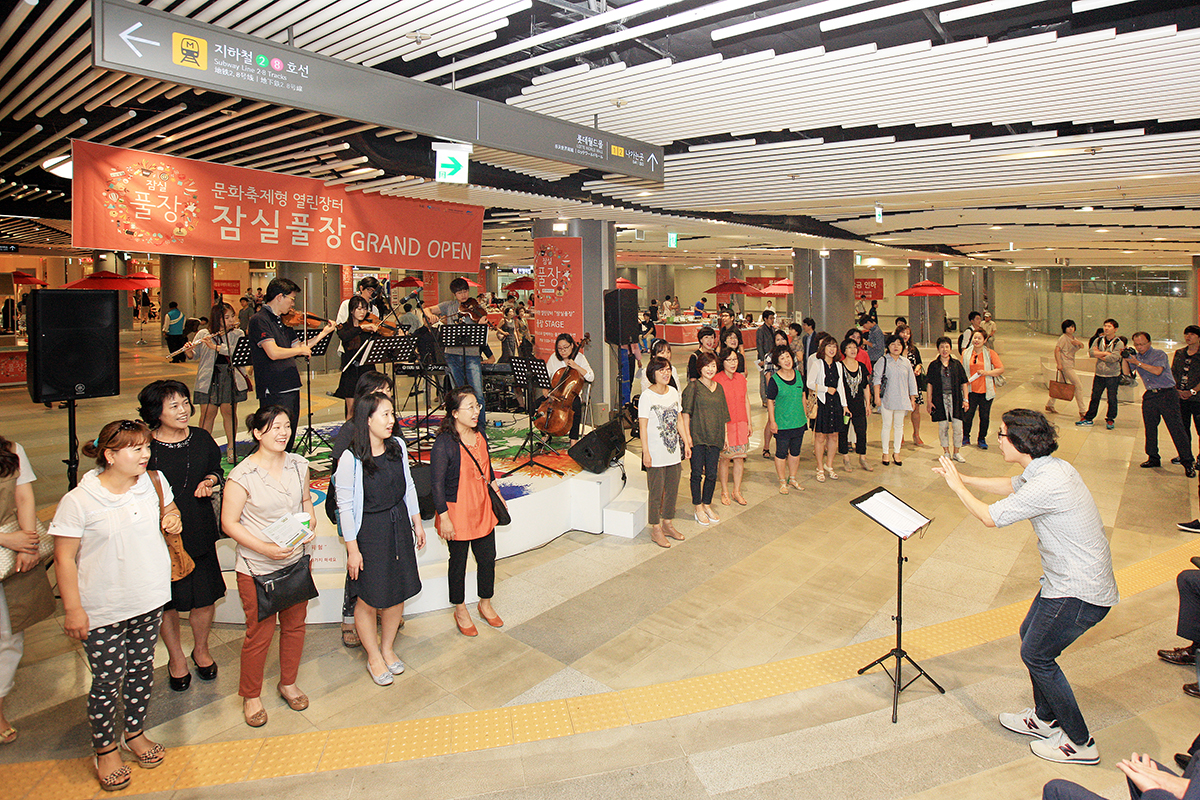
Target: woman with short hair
895,394
114,576
191,462
267,485
786,417
663,449
947,397
702,427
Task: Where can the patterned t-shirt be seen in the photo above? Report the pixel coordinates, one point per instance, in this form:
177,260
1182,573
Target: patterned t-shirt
661,412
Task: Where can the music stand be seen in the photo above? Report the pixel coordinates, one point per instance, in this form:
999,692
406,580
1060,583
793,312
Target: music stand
902,520
305,444
532,372
238,359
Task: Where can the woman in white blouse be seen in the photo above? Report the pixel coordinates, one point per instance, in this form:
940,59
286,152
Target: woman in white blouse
267,485
567,354
114,576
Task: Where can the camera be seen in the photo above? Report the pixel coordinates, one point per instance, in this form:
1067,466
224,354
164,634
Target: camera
1128,352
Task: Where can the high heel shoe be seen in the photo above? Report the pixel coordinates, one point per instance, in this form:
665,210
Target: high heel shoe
832,475
116,780
179,684
704,521
724,498
208,673
149,759
469,630
820,475
495,621
711,516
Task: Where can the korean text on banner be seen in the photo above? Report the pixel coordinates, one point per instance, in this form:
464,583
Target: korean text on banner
558,295
133,200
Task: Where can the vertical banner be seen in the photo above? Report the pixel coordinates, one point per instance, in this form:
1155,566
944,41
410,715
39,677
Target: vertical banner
558,295
347,281
231,289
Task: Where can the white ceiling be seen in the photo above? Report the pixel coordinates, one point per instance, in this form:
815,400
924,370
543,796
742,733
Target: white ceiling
983,132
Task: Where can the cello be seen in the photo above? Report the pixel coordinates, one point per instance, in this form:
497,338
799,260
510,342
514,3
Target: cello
556,412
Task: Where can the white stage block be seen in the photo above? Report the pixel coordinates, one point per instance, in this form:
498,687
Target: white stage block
626,517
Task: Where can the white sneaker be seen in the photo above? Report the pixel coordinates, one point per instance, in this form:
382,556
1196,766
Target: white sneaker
1061,749
1027,722
958,457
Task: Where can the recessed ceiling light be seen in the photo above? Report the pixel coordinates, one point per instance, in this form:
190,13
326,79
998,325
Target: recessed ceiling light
1087,208
1101,230
995,228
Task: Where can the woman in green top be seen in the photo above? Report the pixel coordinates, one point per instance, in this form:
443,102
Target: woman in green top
702,428
786,417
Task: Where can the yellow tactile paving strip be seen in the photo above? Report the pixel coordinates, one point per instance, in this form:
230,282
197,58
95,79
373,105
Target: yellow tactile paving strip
320,751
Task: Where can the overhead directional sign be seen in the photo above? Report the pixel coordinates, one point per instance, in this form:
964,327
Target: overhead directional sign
451,161
138,40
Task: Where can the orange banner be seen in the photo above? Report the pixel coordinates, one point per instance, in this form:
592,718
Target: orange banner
132,200
558,296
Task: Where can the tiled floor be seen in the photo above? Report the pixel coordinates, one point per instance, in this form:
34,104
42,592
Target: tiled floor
724,666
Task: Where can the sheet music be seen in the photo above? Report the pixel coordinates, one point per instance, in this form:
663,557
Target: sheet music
893,513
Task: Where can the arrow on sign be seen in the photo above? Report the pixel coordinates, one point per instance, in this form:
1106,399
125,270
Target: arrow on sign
456,165
129,39
653,161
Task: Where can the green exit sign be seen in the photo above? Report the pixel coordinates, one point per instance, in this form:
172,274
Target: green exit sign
672,240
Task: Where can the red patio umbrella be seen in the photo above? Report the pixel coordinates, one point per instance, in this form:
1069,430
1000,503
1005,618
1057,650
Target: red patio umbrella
625,283
146,278
410,281
734,286
779,288
104,279
926,289
25,279
522,284
472,283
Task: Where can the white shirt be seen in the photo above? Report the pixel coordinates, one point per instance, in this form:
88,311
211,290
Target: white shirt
554,364
661,412
124,566
24,468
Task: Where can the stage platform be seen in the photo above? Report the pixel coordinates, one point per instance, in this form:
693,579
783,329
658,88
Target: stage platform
543,507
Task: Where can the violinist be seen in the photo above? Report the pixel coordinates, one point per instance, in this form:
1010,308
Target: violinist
218,383
273,353
464,363
566,354
354,333
369,291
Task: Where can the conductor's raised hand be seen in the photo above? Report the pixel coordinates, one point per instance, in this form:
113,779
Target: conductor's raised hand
947,469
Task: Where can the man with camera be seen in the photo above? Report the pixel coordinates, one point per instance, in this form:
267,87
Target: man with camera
1160,401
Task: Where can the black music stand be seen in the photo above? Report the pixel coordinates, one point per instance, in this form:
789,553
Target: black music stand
238,359
903,520
305,443
532,372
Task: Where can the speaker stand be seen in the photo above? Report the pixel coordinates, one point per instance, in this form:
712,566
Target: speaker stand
72,459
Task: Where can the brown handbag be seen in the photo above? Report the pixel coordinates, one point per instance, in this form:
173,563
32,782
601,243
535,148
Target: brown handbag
181,563
1060,390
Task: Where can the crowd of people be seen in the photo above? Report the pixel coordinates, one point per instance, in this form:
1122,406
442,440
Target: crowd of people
135,542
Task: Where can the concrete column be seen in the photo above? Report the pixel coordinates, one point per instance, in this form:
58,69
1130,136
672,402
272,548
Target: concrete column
599,274
187,280
660,282
320,286
926,314
823,288
971,287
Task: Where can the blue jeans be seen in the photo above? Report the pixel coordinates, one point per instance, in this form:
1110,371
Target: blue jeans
704,468
467,369
1049,628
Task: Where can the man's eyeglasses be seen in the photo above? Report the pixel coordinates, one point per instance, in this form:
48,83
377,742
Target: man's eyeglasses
1001,434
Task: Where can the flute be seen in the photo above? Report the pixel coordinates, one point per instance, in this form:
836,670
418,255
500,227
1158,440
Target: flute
203,338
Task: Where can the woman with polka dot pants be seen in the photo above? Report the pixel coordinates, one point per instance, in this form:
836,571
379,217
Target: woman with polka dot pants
114,575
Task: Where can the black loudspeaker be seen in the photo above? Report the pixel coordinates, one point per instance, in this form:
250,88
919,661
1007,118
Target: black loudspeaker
72,344
600,448
621,316
422,475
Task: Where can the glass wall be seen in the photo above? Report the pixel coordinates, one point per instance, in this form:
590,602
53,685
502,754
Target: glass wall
1156,301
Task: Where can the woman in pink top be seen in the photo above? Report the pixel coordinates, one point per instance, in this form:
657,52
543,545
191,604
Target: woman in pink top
737,430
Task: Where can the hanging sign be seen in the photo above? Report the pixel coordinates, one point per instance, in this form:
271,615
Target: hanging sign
132,200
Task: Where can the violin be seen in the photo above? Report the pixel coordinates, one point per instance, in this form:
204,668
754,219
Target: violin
556,412
300,319
381,327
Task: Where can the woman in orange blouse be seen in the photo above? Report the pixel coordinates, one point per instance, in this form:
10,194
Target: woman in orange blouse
983,367
461,474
